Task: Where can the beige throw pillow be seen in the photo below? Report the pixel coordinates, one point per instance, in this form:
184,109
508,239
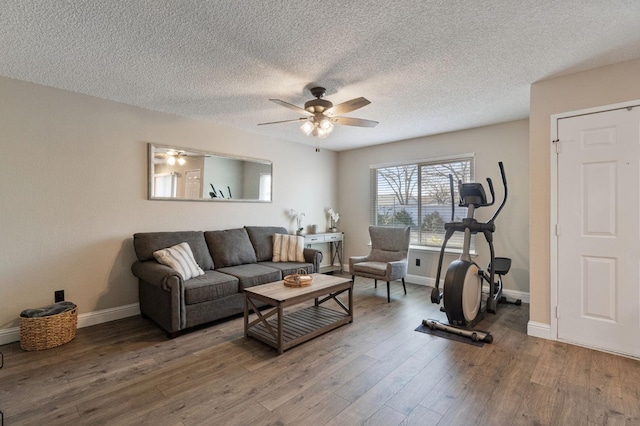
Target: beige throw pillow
288,248
180,258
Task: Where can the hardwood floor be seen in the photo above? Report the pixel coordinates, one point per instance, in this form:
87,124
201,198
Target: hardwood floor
376,371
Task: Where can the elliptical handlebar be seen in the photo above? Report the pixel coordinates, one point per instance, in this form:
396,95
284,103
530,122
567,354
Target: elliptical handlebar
504,198
493,194
453,201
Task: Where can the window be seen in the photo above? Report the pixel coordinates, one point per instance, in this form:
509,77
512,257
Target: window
265,187
418,195
165,185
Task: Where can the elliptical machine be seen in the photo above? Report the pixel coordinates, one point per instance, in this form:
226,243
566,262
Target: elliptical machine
463,280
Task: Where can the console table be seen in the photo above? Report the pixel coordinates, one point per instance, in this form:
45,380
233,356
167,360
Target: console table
335,240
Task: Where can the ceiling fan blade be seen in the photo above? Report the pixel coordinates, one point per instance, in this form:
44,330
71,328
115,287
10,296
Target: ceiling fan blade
348,121
292,107
346,107
283,121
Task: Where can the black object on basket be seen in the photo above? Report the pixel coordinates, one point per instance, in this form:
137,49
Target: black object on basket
48,327
54,309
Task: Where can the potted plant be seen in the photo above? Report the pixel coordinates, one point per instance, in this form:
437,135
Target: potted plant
335,217
299,217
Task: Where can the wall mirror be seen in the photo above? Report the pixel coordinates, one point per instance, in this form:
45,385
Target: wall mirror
185,174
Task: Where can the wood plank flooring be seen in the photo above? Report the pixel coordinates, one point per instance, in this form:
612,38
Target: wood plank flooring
376,371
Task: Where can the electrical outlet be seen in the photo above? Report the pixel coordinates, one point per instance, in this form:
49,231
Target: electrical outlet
59,295
417,262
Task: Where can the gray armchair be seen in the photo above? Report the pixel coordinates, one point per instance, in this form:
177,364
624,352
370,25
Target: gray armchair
387,260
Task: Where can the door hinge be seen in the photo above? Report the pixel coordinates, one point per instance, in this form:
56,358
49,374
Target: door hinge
557,312
557,229
557,144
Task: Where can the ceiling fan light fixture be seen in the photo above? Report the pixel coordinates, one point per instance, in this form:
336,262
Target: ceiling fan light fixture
322,133
181,161
171,160
326,125
307,127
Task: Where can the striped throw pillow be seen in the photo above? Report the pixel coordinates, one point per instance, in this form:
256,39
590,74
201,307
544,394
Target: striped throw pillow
180,258
288,248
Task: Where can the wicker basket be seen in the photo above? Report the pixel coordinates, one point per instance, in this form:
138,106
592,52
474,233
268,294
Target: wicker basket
299,279
48,332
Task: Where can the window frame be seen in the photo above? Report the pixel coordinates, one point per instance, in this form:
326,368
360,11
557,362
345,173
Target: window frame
418,238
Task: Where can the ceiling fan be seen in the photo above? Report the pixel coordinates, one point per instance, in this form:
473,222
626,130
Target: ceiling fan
320,115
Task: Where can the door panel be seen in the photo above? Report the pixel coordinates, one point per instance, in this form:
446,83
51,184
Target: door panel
599,288
599,197
599,238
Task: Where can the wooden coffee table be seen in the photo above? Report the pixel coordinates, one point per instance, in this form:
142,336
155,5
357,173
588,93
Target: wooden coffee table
290,329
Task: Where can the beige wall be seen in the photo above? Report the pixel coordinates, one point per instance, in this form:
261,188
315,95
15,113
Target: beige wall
73,189
601,86
507,142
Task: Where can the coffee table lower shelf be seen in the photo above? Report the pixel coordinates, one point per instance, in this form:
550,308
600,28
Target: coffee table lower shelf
299,326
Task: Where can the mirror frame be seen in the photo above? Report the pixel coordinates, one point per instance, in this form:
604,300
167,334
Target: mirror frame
151,152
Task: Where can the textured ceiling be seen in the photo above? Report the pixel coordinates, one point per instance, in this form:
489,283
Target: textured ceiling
427,66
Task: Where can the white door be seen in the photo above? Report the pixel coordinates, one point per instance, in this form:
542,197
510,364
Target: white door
598,281
192,187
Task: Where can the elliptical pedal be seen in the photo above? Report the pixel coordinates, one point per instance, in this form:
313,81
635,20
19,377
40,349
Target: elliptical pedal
474,335
506,301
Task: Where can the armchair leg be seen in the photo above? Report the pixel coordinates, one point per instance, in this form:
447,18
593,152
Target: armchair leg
375,283
388,292
404,286
353,279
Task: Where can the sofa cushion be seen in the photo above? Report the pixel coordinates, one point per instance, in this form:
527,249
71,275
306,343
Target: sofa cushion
262,239
230,247
145,243
210,286
180,258
253,274
288,248
289,268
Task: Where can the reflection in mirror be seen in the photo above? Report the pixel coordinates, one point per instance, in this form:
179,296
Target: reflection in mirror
184,174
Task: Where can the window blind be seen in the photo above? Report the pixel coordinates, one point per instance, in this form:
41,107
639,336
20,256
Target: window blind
417,195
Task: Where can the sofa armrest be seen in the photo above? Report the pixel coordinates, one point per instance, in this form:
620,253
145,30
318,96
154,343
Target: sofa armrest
313,256
157,274
161,295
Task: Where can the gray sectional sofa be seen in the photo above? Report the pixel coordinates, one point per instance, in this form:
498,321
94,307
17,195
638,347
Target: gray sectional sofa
231,259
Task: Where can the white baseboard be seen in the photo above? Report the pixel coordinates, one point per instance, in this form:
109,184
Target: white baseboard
420,280
10,335
431,282
539,329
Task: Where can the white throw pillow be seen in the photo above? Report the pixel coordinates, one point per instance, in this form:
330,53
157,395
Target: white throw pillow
288,248
180,258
